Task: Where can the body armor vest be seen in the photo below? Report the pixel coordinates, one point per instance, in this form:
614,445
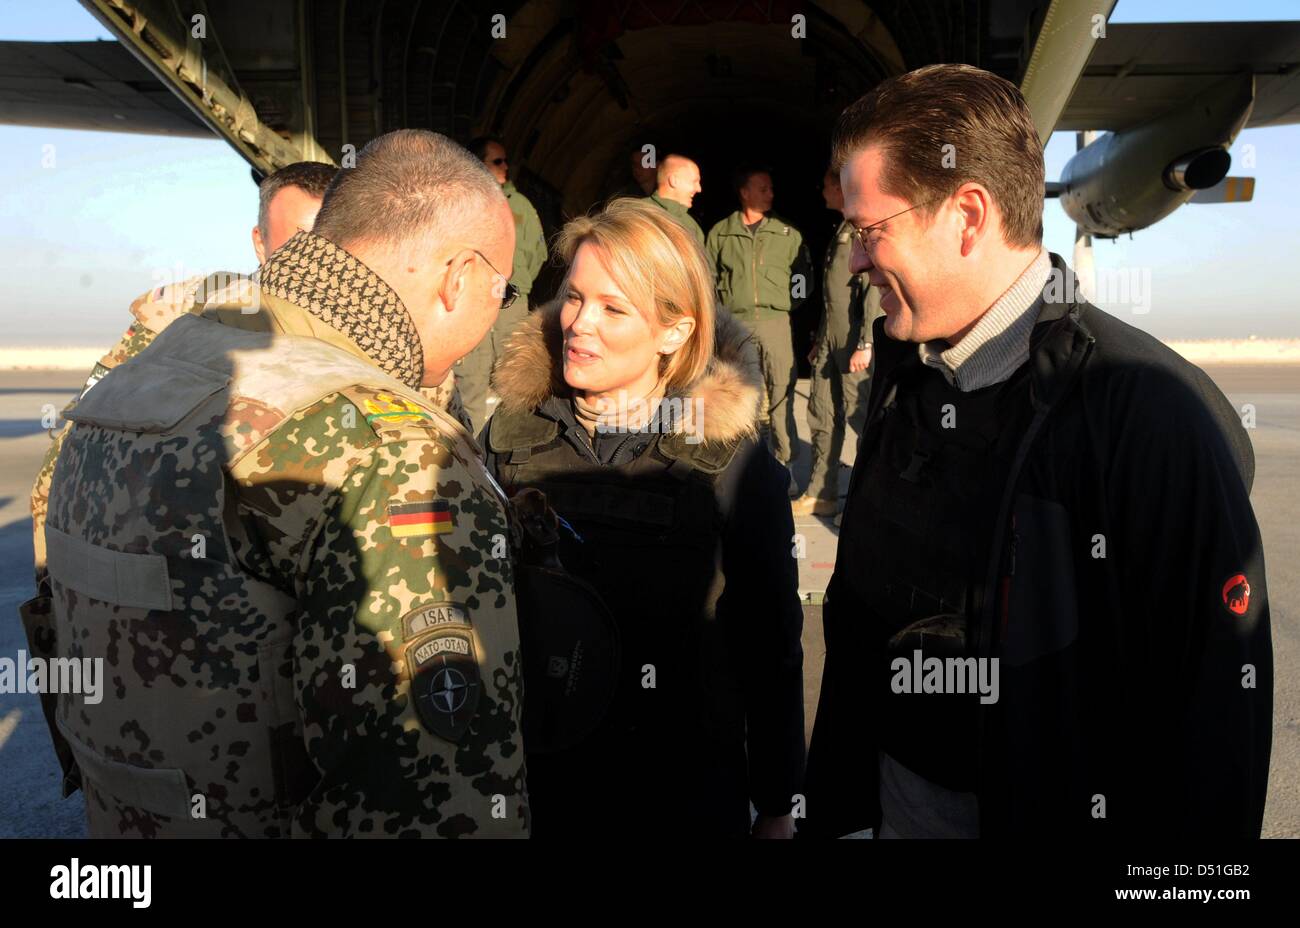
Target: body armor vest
934,465
144,474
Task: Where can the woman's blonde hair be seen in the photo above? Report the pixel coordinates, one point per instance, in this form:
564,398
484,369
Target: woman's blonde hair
657,263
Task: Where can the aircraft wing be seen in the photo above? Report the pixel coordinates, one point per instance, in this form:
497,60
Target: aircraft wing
1140,71
88,85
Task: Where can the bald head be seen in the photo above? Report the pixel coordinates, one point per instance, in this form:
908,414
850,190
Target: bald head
679,179
411,190
428,218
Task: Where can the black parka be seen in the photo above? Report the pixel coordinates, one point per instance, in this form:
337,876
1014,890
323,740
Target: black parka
714,602
1124,594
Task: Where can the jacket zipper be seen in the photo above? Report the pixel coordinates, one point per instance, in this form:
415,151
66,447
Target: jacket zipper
1008,577
1005,523
578,437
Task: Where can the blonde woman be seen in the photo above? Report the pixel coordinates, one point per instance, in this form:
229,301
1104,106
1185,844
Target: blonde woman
625,405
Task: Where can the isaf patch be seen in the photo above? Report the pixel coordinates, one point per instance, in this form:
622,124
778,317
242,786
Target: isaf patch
432,617
445,682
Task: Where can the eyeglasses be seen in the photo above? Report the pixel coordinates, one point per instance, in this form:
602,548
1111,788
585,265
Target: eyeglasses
511,291
862,233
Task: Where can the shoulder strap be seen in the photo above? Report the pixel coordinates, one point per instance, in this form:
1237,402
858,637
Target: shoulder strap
516,432
711,457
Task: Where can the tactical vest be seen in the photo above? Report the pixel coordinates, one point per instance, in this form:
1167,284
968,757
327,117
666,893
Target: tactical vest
647,535
922,515
191,639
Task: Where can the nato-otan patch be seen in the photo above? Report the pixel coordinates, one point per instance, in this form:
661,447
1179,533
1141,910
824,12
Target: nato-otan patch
432,616
444,682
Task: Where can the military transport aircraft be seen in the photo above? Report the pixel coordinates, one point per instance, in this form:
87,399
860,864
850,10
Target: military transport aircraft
573,85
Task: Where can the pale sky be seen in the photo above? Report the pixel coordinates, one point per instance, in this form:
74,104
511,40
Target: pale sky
89,220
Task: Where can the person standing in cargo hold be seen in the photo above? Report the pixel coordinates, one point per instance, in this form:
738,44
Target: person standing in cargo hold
1049,613
841,361
758,259
679,182
474,371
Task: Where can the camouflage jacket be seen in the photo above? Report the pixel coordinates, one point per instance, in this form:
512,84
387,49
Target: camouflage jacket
151,313
295,570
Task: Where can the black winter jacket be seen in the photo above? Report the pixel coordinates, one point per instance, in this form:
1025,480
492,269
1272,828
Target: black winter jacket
740,737
1136,688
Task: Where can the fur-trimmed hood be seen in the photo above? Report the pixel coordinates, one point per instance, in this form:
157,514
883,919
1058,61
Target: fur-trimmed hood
727,396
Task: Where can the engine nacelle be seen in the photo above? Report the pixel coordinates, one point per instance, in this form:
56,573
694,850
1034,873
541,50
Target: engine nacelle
1128,180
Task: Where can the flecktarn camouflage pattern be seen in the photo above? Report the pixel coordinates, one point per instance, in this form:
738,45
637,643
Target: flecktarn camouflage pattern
295,569
151,312
154,311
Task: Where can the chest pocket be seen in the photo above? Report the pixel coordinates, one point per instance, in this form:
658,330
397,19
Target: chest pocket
1044,611
776,283
617,508
774,249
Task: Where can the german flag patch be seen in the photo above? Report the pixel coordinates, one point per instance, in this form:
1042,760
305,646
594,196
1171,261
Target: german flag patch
420,519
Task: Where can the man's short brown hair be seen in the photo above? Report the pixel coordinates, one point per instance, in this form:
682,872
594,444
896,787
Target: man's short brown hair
312,177
983,117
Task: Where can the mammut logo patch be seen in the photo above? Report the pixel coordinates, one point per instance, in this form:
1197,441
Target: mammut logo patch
1236,594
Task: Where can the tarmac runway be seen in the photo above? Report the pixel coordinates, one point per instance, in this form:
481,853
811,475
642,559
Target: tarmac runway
30,803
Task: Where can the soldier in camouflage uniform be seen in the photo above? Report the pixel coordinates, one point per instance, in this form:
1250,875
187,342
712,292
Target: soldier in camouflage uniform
292,564
288,201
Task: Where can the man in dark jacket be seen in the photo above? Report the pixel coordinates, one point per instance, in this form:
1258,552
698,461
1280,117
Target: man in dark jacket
1049,610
